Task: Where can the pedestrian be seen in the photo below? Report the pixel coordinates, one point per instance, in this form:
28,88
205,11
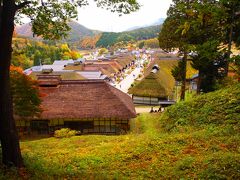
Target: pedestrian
151,111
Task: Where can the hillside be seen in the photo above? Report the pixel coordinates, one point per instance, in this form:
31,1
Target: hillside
197,139
81,37
76,33
111,38
157,22
25,30
79,31
217,109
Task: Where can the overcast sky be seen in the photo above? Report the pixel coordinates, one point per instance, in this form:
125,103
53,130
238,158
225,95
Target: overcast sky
99,19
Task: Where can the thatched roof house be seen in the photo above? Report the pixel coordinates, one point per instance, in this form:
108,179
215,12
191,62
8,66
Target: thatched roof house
86,99
89,106
157,86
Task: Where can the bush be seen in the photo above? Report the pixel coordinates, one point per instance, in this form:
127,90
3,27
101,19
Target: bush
64,133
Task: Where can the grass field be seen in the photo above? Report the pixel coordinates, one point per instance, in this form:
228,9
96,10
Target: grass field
196,139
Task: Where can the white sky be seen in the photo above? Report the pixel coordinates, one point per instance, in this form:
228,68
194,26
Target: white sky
100,19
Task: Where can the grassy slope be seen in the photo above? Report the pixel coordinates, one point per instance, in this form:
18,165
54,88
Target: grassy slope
194,139
220,108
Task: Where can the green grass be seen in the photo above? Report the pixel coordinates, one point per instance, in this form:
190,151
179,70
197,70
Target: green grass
217,109
196,139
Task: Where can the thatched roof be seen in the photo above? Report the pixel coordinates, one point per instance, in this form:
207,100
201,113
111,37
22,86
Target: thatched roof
154,85
159,84
86,99
65,75
108,67
124,60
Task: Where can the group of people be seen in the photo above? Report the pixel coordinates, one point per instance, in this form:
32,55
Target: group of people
160,109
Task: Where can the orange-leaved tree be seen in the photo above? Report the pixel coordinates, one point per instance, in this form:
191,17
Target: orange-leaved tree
25,93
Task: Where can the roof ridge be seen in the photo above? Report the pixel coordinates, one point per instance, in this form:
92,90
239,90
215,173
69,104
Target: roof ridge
126,105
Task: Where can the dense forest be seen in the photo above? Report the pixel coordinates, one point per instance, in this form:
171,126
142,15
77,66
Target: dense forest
27,53
80,37
111,38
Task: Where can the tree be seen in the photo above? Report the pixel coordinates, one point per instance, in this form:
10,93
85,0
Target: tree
151,43
37,58
21,60
235,61
49,20
102,51
231,25
208,61
25,92
175,34
141,44
199,24
206,26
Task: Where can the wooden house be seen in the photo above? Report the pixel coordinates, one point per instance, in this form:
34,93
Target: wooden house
88,106
156,88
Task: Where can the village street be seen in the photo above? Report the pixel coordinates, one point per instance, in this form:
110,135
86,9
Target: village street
125,84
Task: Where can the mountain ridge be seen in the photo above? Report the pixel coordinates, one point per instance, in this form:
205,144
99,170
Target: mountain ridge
77,31
157,22
83,37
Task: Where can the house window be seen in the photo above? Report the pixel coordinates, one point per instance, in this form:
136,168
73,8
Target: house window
41,127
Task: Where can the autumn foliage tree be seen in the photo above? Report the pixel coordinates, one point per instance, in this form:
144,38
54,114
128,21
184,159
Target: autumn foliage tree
89,42
25,93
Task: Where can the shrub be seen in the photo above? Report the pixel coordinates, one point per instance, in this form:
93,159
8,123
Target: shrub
64,133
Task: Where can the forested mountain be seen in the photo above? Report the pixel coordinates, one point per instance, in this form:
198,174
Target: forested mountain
82,37
111,38
76,33
157,22
79,31
25,30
